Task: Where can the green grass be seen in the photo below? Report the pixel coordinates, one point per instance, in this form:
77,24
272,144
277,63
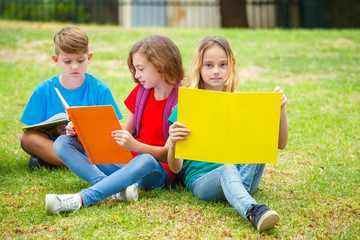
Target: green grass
314,186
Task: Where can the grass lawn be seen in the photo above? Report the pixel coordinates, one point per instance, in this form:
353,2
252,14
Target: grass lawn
314,186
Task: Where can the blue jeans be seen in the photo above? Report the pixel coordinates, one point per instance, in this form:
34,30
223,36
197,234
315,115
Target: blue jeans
251,175
109,179
227,183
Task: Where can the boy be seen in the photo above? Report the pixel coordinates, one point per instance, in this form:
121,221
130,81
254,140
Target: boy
78,88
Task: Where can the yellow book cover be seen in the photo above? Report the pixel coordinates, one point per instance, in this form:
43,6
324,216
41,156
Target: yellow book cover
229,127
93,126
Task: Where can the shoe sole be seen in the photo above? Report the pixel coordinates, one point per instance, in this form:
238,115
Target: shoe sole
49,206
267,221
132,193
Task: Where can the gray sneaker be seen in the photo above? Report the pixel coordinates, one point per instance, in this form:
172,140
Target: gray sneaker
130,194
62,203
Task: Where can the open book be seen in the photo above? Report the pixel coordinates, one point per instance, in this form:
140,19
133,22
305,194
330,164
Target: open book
49,123
229,127
93,126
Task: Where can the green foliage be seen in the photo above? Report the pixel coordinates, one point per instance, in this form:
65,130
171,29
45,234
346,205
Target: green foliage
314,186
68,10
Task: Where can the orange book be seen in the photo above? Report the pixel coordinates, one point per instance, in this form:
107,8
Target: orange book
93,126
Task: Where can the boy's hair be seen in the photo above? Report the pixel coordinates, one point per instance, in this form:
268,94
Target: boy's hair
194,79
71,40
162,52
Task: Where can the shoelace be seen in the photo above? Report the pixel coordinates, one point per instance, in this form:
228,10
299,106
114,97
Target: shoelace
69,204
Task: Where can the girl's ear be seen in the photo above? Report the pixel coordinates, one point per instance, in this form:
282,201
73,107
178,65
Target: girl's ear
234,62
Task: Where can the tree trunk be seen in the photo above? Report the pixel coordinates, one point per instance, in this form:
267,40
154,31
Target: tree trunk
233,13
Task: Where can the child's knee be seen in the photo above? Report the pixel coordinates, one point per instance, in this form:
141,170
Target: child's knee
229,167
32,138
147,158
26,137
60,143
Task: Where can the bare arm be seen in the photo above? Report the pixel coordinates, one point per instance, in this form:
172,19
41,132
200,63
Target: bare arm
129,124
283,130
177,131
125,139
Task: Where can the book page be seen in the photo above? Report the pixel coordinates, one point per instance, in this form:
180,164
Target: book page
205,113
93,126
229,127
51,122
254,127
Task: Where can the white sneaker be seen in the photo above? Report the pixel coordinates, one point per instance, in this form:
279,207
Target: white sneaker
130,194
62,203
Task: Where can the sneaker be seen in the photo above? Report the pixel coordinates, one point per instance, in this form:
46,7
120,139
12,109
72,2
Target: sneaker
261,217
62,203
130,194
35,162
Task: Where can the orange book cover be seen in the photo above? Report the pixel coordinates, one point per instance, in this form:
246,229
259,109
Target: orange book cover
93,126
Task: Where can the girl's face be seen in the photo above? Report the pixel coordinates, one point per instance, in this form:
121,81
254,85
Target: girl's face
214,68
146,72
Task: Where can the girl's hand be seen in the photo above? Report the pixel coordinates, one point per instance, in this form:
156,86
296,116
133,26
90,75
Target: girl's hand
124,139
70,130
177,131
283,97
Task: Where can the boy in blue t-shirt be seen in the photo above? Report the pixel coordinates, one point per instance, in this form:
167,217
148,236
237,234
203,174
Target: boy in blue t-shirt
78,88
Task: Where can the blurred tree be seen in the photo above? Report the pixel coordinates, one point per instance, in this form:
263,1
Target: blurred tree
233,13
342,14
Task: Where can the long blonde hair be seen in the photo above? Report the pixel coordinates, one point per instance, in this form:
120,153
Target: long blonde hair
194,79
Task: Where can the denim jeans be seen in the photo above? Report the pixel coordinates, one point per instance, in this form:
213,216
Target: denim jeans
109,179
227,183
251,175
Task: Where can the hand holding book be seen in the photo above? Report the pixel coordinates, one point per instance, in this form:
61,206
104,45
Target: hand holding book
124,139
70,130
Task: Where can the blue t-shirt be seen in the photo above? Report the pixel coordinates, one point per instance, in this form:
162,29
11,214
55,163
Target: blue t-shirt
45,103
193,169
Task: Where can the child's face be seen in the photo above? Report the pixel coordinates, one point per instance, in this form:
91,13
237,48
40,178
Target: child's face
214,68
146,72
72,65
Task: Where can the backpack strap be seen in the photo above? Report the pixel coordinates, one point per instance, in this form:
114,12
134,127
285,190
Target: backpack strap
140,103
169,107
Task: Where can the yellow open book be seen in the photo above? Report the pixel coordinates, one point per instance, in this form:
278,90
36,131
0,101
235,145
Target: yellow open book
93,126
229,127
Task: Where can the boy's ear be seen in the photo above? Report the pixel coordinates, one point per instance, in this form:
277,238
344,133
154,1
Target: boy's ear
55,58
90,55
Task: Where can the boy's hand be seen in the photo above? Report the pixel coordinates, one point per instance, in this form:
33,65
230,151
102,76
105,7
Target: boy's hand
283,97
70,130
61,129
124,139
177,131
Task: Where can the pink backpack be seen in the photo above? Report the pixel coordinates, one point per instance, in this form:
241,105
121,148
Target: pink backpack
140,103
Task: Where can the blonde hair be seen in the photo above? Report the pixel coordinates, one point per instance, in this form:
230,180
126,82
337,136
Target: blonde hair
71,40
194,79
162,52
